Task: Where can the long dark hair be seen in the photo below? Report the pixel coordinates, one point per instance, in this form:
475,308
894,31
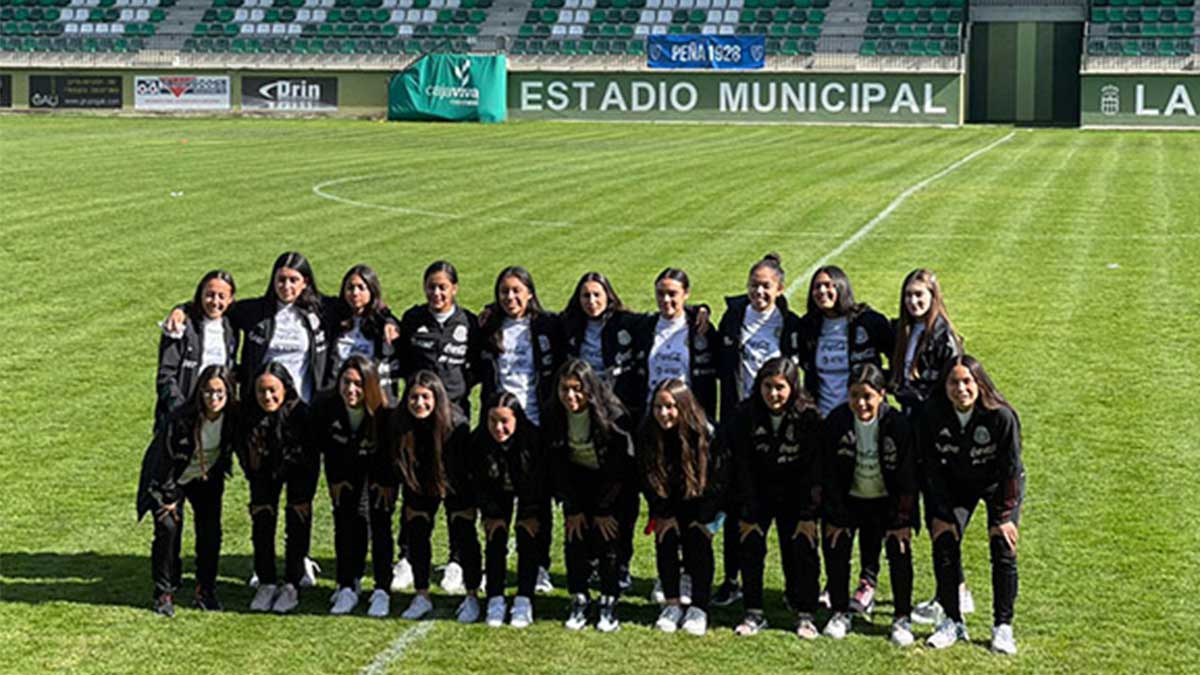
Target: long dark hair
846,306
374,306
574,316
439,427
310,297
798,401
496,313
196,309
604,409
989,396
197,412
268,430
937,309
505,399
373,397
692,435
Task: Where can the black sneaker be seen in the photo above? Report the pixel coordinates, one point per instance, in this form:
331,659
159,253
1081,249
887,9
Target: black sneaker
165,605
727,593
578,618
608,615
206,600
751,624
625,583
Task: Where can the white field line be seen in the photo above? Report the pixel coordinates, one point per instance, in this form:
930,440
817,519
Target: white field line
863,231
396,650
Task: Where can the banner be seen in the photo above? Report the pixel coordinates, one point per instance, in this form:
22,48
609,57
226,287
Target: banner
181,92
451,87
303,94
713,52
742,97
1139,100
75,91
5,91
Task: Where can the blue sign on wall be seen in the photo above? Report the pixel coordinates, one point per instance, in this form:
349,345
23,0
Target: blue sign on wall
719,52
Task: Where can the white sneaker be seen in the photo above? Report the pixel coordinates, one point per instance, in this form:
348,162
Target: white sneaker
287,600
902,635
496,609
544,584
685,589
695,622
264,598
311,570
344,601
1003,640
966,602
452,579
928,612
948,632
468,610
838,626
657,596
418,608
522,612
253,581
357,591
669,619
402,576
608,621
381,604
577,619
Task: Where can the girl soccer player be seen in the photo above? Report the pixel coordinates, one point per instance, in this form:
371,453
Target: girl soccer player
509,475
274,455
970,438
870,488
587,436
208,339
837,334
429,447
346,426
683,475
776,441
188,461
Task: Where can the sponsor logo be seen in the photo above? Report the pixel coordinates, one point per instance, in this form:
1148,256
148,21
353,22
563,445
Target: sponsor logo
75,91
1110,100
463,93
318,94
181,92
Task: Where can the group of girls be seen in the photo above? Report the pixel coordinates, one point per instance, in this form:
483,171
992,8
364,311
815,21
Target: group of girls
591,408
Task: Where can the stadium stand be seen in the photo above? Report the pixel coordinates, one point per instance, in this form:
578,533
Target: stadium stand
579,33
1141,28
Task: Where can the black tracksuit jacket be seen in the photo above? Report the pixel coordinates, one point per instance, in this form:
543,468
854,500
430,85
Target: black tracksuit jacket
776,469
170,453
452,350
615,458
179,363
730,355
870,339
940,346
520,460
960,464
897,462
545,334
702,355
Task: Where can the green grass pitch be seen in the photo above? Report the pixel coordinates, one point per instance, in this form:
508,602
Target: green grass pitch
1071,262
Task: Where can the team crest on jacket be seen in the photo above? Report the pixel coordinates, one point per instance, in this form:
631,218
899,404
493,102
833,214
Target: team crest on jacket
701,343
460,333
624,338
860,335
544,342
982,437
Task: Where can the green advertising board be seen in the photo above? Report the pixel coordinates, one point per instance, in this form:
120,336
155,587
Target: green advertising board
453,87
927,99
1140,100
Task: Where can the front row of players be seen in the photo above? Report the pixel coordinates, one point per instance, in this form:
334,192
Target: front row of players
775,461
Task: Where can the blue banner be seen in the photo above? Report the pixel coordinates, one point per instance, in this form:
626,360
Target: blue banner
713,52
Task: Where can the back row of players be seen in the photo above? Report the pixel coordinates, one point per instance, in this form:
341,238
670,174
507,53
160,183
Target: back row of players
592,407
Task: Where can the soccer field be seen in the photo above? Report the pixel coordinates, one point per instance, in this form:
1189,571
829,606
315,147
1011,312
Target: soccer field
1070,260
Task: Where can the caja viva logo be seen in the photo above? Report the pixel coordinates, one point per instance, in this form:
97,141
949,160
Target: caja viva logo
464,91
